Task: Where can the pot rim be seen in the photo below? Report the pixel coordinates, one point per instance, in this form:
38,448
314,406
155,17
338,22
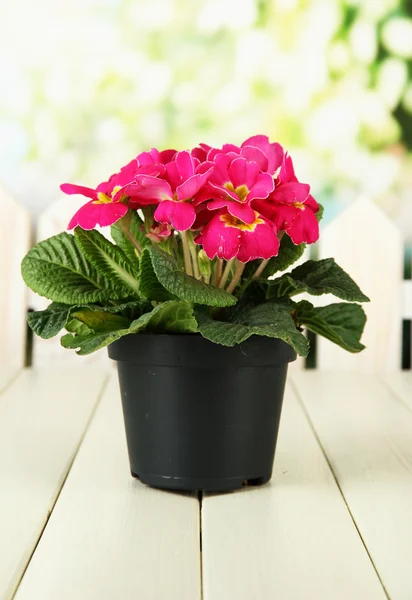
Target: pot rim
193,350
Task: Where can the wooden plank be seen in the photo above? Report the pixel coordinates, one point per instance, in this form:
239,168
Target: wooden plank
367,435
367,244
49,352
407,299
401,384
43,415
14,243
7,374
290,539
111,537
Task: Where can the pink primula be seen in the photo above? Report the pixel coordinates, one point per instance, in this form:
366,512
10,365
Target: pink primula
291,207
159,232
234,183
173,193
106,205
227,237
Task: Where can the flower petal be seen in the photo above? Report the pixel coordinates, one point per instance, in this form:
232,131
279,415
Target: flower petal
191,186
97,213
219,239
281,215
291,192
243,172
262,188
260,243
304,227
69,188
273,152
252,153
240,211
149,190
185,164
181,215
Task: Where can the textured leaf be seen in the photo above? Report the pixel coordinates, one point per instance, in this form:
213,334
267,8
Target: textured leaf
48,323
109,260
57,316
57,269
123,241
86,344
319,214
169,317
341,323
176,316
149,285
270,320
182,285
316,277
288,254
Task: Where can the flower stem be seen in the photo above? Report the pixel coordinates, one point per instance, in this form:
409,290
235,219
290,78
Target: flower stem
186,253
219,268
134,242
226,273
193,254
260,268
236,277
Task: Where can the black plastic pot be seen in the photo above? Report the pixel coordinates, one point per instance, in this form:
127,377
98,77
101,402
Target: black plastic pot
200,416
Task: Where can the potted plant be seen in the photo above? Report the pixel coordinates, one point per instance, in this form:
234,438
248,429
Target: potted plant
190,297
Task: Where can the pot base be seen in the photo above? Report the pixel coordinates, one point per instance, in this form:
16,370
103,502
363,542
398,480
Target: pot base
206,485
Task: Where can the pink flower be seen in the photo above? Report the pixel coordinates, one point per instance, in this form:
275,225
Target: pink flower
234,183
291,207
180,183
200,152
107,200
254,147
158,232
227,237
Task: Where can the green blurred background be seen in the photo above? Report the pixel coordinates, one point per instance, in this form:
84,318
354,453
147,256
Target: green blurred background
86,85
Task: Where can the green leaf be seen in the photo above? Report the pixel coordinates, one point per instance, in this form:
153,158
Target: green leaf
47,323
341,323
134,222
316,277
169,317
86,344
57,269
270,320
149,285
182,285
77,327
109,260
319,214
99,320
175,316
288,254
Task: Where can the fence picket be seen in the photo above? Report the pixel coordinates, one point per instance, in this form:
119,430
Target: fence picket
14,243
366,243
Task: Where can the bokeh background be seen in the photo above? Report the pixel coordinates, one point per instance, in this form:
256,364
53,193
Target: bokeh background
87,84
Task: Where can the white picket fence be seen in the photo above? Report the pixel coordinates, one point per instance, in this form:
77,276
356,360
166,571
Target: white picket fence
363,240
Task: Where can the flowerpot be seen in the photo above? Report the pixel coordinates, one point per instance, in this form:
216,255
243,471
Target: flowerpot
201,416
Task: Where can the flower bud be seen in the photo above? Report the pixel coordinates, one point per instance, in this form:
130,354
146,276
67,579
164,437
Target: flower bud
205,265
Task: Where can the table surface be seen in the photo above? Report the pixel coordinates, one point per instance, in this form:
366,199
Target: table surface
335,522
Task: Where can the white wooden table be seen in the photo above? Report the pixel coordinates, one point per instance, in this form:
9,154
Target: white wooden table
334,523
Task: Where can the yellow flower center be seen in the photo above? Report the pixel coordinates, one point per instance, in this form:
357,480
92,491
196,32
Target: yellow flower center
231,221
102,199
299,205
241,191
